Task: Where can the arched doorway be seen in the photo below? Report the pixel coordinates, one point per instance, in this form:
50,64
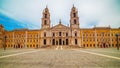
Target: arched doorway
75,41
53,42
66,41
44,42
18,46
60,41
37,46
104,45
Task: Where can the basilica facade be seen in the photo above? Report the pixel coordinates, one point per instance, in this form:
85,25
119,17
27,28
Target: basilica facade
62,35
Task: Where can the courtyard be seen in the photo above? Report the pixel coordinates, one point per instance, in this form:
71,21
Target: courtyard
60,58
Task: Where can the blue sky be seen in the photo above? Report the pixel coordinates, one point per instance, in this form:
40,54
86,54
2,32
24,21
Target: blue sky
15,14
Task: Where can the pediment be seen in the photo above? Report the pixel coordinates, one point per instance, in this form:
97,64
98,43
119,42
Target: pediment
60,26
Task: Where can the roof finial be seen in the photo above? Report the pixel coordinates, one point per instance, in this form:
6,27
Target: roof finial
60,21
73,5
46,9
46,6
94,26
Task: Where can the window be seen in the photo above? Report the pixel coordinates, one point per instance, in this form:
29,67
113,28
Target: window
75,34
44,41
53,42
44,34
53,34
94,45
66,41
108,34
112,45
74,14
90,40
93,34
66,34
34,45
30,45
102,33
90,34
60,41
75,21
112,40
111,34
90,45
75,41
83,39
45,15
83,34
60,33
87,45
105,34
86,34
83,45
45,22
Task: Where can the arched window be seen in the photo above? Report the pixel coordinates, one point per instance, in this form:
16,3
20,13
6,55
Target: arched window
44,42
66,34
75,22
66,41
45,15
30,45
83,45
53,42
74,14
75,41
90,45
60,33
75,34
60,41
45,22
45,34
53,34
87,45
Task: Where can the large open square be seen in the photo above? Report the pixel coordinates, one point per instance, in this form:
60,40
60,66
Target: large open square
60,58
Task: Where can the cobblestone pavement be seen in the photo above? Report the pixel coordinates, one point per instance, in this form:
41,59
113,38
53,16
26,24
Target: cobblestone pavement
58,59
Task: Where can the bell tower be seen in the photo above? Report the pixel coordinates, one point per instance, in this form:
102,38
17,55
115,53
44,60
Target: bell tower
74,19
46,18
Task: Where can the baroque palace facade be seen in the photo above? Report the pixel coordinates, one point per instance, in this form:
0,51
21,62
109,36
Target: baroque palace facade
60,34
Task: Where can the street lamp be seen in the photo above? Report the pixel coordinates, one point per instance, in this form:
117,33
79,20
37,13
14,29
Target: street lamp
117,41
4,45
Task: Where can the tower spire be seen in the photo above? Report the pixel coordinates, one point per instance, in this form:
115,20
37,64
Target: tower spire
46,18
73,5
74,19
46,6
59,21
